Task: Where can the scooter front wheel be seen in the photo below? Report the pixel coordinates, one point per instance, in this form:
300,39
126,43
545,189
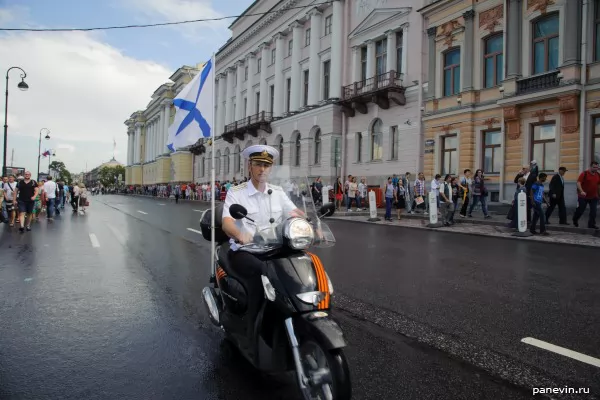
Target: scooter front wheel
327,372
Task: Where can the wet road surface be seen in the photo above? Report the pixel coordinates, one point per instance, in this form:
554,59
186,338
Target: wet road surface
108,306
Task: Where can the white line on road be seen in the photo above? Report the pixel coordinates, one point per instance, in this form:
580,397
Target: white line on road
141,212
194,230
94,240
562,351
199,210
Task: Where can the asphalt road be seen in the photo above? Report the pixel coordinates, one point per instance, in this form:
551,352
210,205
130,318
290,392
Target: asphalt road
108,305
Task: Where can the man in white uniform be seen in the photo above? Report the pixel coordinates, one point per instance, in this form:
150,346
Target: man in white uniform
50,193
267,205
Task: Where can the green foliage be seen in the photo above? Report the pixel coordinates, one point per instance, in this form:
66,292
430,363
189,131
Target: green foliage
63,172
108,175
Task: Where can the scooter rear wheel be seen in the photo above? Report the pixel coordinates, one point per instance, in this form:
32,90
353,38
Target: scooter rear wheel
316,360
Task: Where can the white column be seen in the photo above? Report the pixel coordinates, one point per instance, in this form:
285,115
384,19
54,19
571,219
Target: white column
251,104
147,143
239,110
128,147
152,130
138,142
229,117
157,137
279,50
370,59
315,62
264,89
335,76
222,102
355,64
166,120
295,97
404,67
391,51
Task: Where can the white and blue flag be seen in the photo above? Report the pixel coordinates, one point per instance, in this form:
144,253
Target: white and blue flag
194,118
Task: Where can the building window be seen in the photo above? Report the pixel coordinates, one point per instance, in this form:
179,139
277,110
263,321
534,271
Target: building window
381,57
307,38
272,97
297,152
493,60
226,161
235,79
280,148
318,147
543,146
288,96
234,107
399,44
305,102
245,107
492,152
273,53
290,47
597,31
326,70
218,163
394,143
263,141
449,154
203,166
236,160
377,141
545,44
259,64
257,103
596,140
246,73
452,72
327,25
359,145
363,64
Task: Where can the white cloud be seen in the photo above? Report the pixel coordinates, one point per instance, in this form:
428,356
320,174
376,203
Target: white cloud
68,147
184,10
80,88
13,14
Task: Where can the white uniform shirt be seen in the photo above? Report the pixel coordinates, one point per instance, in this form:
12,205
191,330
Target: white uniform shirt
9,190
260,205
50,189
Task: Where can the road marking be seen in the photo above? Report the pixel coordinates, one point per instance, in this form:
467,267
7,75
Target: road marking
199,210
562,351
194,230
117,234
94,240
161,204
141,212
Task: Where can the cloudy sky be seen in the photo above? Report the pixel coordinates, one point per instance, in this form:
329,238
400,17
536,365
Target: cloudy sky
83,86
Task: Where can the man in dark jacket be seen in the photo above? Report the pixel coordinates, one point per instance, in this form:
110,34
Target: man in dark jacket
531,179
557,196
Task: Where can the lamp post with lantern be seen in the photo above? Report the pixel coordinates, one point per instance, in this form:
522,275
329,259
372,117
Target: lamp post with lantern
23,87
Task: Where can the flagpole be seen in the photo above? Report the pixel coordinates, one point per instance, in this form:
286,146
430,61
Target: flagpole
212,168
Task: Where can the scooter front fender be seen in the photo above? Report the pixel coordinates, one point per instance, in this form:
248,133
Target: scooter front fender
322,327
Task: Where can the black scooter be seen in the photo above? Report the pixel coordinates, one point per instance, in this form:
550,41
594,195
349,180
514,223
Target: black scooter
293,330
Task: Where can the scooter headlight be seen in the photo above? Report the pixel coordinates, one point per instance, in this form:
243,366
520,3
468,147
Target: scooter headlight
299,233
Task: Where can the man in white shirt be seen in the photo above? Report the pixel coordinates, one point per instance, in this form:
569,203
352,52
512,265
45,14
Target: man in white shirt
75,197
10,186
50,193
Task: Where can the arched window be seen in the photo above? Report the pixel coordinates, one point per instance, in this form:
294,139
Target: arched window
359,146
318,146
236,160
377,141
202,167
218,162
280,148
262,141
297,151
545,44
248,144
227,161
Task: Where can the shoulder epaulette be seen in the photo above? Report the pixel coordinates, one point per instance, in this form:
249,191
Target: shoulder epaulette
239,187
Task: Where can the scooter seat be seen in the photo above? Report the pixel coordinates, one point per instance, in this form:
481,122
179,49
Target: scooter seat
225,262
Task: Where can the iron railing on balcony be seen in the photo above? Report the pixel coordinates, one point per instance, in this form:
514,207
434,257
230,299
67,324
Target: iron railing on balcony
250,122
390,79
538,82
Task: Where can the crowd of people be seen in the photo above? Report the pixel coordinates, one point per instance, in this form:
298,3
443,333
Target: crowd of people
24,200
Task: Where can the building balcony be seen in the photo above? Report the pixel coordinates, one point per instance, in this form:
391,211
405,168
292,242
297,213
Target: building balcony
379,89
249,125
538,83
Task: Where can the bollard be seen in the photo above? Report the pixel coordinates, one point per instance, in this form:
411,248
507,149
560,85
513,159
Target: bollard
433,212
373,207
522,216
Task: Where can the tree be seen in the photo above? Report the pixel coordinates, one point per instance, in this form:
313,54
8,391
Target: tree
108,175
63,172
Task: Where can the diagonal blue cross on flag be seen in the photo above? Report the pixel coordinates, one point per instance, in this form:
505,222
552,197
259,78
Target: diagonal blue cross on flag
194,117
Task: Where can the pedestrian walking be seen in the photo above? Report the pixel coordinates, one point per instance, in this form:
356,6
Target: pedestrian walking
537,201
557,197
588,186
10,187
389,198
50,189
27,190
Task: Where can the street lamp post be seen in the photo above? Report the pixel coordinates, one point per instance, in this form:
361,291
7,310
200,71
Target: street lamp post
22,86
40,148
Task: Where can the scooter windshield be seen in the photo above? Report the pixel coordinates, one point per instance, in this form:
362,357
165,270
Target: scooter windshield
294,197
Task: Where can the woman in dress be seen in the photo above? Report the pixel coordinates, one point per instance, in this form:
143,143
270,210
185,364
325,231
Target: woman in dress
83,196
400,198
37,207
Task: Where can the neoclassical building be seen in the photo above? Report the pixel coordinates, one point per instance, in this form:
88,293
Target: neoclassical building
333,87
509,82
149,161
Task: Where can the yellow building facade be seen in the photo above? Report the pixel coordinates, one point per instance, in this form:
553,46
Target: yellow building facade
510,82
149,161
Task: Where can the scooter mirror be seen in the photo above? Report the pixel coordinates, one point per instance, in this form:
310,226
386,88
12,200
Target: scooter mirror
327,210
238,211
